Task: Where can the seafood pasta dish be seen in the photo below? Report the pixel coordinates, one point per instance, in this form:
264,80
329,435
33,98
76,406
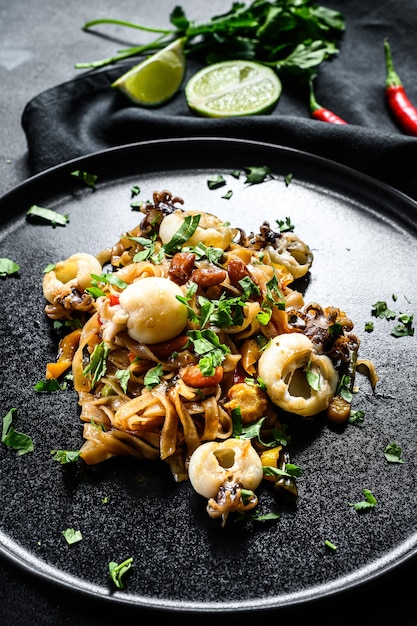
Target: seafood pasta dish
189,344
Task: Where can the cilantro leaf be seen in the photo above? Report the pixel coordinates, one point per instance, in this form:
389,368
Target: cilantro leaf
40,214
369,502
393,452
8,267
257,174
87,178
118,570
215,181
13,438
185,232
72,536
65,456
97,367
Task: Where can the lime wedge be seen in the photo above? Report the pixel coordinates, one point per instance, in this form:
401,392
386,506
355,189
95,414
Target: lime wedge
156,79
232,88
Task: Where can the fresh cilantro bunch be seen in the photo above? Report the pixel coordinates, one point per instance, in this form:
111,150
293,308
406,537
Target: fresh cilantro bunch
292,35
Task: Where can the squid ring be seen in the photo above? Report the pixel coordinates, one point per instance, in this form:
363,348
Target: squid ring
283,367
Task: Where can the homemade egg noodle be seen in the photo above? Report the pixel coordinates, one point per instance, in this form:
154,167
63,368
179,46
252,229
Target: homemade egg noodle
189,344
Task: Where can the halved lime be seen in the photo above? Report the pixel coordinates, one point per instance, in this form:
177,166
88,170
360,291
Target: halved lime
232,88
157,79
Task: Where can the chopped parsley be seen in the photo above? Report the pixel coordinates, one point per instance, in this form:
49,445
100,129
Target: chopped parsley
8,267
393,452
87,178
118,570
40,214
72,536
369,502
256,175
65,456
14,439
329,544
97,367
215,181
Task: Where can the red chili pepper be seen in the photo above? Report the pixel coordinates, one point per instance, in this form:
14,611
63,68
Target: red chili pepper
400,106
114,299
320,113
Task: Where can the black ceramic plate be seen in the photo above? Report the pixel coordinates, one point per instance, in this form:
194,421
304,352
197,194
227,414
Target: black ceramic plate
363,235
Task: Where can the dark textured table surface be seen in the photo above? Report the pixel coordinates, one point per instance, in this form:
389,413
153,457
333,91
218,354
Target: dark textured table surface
39,44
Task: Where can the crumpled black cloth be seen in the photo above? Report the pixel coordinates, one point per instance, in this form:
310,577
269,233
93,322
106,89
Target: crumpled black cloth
86,115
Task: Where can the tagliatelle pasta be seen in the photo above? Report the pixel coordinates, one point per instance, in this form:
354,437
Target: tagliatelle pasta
192,333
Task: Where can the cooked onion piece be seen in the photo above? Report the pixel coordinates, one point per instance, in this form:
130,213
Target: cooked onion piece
154,313
211,230
283,368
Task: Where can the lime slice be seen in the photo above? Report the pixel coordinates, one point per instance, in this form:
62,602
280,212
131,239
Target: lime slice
155,80
232,88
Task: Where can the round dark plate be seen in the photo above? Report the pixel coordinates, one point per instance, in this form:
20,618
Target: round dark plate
363,235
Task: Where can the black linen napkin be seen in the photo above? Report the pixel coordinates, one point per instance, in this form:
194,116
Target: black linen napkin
86,115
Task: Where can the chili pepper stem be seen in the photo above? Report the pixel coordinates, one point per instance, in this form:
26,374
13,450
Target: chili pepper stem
314,106
393,80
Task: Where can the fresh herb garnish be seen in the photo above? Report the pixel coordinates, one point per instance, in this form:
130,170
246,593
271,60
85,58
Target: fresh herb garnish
257,174
215,181
98,363
72,536
87,178
185,232
8,267
286,225
51,384
393,453
40,214
118,570
329,544
153,376
13,438
294,36
369,502
65,456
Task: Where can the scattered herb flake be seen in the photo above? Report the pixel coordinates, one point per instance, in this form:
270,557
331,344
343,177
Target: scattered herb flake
288,179
405,327
134,191
369,502
153,376
40,214
393,453
329,544
215,181
256,175
8,267
72,536
380,309
228,195
356,417
49,385
14,439
118,570
87,178
65,456
369,327
285,225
